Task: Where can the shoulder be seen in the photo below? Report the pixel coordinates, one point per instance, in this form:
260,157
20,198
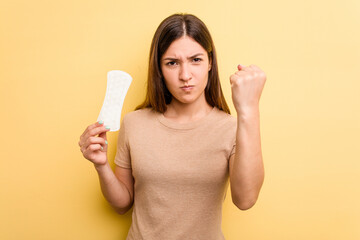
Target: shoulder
225,123
140,116
224,118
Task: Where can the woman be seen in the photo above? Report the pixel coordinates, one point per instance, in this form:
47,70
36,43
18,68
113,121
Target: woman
178,150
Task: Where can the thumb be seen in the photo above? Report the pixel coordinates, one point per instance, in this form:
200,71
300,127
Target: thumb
103,135
240,67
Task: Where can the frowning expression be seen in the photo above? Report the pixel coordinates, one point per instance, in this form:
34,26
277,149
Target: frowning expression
185,66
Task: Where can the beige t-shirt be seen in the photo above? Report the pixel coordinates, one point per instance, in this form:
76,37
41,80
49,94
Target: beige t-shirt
181,173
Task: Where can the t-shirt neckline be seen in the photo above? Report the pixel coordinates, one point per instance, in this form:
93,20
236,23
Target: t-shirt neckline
185,126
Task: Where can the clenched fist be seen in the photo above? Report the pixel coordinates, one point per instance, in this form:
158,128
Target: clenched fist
246,86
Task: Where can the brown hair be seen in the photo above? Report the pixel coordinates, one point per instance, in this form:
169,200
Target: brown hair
169,30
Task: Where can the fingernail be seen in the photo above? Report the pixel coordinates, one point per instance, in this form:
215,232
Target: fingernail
106,142
100,122
107,127
102,148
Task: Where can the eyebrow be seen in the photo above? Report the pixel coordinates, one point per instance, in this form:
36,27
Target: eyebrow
194,56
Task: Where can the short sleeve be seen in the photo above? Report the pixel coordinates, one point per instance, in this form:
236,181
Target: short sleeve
122,157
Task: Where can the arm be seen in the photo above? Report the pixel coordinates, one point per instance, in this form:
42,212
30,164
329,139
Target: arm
117,187
246,165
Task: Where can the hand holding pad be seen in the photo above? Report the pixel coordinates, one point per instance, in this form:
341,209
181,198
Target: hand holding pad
118,83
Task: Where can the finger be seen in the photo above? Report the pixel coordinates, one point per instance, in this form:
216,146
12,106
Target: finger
89,137
92,148
105,142
103,135
241,73
248,69
90,127
94,125
243,68
240,67
85,145
258,70
254,67
96,131
235,77
94,140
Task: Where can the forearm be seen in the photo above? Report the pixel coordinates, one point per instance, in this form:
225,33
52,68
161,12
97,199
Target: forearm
114,191
247,170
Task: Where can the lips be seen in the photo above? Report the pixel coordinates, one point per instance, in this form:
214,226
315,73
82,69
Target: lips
187,87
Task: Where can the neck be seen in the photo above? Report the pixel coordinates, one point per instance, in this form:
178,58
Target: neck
183,113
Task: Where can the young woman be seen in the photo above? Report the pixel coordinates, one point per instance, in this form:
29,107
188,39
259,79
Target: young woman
180,149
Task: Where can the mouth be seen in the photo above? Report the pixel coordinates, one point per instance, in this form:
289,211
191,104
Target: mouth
188,87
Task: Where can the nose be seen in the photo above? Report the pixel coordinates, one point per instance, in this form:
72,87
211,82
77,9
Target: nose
185,73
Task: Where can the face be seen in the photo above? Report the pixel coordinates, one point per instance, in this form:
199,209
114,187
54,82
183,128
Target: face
185,66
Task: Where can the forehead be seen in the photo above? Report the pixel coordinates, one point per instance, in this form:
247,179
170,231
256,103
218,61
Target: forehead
184,46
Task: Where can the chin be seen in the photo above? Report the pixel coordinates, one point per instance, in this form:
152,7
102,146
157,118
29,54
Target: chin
187,100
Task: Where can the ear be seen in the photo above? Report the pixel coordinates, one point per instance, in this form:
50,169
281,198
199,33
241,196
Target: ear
210,63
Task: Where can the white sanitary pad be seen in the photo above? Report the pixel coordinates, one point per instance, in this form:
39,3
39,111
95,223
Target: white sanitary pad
118,83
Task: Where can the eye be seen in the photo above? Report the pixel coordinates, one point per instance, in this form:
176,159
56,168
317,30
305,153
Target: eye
197,60
171,63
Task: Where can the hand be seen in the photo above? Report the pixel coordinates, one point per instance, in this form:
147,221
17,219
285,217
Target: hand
93,143
246,87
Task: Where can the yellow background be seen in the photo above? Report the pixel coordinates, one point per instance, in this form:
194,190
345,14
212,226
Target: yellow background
54,56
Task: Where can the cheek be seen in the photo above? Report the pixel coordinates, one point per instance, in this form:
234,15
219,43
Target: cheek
203,74
166,75
169,79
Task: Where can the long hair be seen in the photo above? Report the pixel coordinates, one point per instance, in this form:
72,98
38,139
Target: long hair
169,30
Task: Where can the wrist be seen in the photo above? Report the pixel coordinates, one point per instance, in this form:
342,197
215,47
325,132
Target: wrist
101,167
248,112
